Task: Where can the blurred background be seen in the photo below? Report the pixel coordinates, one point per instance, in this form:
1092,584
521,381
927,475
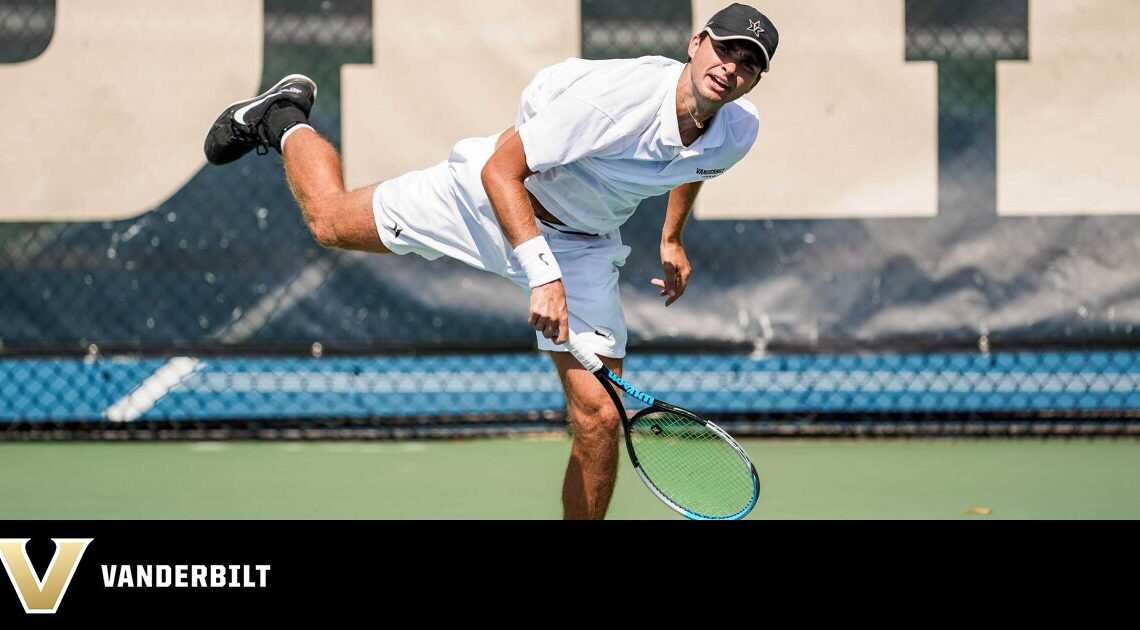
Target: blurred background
935,235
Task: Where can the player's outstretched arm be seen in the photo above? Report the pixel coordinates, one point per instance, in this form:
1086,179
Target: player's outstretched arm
674,262
503,178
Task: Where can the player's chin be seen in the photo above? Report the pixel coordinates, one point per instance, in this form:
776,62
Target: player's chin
717,94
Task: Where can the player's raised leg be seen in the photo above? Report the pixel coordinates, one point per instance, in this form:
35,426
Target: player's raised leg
596,430
336,217
278,118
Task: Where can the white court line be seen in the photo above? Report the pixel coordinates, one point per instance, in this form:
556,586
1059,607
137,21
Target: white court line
208,447
150,391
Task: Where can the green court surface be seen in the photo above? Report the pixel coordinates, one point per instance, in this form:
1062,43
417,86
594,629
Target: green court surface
521,479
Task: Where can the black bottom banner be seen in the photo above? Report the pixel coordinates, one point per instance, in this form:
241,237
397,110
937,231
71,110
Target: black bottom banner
224,572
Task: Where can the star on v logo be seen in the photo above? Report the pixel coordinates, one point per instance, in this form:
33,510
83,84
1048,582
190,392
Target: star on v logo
755,27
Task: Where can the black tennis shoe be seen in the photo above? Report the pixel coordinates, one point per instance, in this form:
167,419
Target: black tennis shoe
259,122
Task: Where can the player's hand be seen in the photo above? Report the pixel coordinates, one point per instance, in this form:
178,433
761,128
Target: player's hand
548,312
676,268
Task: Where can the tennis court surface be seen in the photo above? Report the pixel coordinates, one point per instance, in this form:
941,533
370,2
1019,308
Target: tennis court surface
520,479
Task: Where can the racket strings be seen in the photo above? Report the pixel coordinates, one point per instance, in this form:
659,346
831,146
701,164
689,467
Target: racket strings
691,465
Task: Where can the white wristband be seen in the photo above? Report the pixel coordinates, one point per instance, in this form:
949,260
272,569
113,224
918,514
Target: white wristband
538,262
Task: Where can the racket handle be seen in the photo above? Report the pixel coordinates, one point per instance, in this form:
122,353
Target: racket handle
588,359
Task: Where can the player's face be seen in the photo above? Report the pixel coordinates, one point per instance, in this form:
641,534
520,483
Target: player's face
723,71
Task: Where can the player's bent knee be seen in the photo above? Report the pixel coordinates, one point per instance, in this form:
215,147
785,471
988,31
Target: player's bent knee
344,222
320,218
595,420
323,233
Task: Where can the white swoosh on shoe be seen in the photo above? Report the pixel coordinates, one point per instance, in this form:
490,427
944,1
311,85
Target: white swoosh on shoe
239,115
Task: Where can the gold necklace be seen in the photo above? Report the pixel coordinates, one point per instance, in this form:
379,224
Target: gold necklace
699,124
692,116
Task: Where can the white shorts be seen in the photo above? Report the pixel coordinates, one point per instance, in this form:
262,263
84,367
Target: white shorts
444,211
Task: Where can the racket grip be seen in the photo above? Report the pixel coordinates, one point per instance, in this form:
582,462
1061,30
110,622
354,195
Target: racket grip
588,359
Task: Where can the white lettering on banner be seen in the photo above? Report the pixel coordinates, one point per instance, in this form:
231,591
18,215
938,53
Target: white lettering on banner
108,122
184,576
436,81
1068,131
848,127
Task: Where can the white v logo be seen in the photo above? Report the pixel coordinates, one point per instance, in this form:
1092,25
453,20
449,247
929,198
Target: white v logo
42,596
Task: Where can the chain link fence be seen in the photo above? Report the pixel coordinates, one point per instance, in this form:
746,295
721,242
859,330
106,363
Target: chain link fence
226,268
1014,394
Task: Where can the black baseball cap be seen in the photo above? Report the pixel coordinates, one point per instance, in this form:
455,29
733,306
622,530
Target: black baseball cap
740,21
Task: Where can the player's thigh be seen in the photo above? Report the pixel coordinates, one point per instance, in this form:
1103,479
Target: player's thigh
583,390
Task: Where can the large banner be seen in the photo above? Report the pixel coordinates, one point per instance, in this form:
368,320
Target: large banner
931,173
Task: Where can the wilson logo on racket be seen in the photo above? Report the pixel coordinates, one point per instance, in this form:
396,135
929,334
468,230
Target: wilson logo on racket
631,390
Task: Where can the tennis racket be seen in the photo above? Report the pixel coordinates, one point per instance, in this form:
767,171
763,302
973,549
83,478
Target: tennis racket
691,464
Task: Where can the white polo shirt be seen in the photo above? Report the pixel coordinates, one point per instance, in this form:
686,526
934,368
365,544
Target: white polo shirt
601,136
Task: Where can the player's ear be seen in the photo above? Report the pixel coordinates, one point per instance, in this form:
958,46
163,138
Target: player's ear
694,44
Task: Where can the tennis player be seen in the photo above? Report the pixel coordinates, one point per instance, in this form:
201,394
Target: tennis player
541,202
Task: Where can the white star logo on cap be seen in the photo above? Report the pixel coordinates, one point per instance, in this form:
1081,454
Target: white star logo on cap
755,27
